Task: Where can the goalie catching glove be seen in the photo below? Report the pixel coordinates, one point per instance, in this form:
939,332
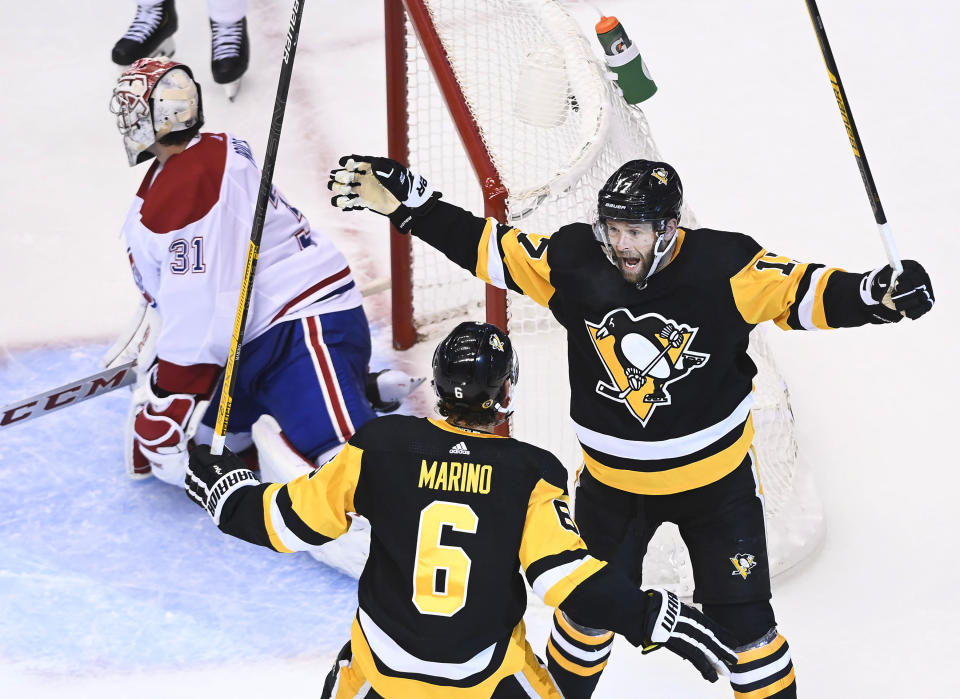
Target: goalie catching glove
211,479
687,632
159,430
911,297
381,185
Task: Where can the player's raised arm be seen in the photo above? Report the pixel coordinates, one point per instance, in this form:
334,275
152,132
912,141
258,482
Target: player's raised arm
563,573
504,257
808,296
296,516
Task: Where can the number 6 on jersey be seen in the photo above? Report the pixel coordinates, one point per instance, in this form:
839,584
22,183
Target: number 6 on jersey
440,573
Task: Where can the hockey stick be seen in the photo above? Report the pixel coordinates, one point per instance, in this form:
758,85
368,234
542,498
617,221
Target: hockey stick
68,394
886,235
102,382
266,181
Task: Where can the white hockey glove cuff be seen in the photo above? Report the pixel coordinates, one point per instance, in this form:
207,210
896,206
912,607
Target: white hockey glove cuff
685,631
211,479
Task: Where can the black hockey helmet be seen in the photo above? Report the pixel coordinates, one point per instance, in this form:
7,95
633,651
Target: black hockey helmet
471,370
642,190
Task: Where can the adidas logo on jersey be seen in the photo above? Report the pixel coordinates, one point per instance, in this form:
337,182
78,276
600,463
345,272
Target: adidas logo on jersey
459,448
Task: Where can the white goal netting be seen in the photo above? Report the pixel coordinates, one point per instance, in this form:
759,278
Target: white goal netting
555,127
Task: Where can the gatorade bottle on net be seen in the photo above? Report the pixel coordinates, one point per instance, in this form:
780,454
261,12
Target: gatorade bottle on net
624,59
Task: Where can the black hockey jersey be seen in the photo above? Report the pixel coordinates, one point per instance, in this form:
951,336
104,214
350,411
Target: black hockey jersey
660,379
454,516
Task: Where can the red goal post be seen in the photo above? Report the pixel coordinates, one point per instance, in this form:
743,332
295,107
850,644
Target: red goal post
398,148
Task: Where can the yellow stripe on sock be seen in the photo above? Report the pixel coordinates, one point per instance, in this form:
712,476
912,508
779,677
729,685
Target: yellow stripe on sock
579,635
571,667
748,656
769,690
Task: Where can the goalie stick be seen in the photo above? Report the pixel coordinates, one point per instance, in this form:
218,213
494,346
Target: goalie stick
68,394
102,382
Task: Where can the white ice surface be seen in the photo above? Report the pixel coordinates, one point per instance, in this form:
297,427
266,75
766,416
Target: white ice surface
110,588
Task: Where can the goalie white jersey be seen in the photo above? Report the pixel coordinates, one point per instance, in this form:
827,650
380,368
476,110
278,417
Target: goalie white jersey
188,233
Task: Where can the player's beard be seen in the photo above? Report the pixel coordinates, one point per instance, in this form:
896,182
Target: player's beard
636,274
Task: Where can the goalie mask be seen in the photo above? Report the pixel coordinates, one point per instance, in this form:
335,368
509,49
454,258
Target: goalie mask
640,191
153,98
474,368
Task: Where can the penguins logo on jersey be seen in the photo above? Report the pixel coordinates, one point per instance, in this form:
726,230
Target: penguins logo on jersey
743,563
642,356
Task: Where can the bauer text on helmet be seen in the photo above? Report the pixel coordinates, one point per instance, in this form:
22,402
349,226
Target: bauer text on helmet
638,210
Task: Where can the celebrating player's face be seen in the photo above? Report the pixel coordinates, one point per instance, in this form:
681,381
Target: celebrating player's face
632,245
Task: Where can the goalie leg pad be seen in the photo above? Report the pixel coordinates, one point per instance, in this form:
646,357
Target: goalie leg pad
764,669
279,461
576,655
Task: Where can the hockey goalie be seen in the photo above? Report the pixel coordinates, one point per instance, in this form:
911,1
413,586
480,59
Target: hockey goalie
303,386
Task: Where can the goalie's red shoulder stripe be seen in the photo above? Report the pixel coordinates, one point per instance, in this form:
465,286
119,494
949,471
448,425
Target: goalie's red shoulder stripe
167,204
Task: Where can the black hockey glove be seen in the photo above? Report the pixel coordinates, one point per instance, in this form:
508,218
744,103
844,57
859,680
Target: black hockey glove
212,479
912,294
688,633
381,185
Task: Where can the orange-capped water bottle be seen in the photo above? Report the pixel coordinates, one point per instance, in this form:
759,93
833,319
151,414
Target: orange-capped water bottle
624,59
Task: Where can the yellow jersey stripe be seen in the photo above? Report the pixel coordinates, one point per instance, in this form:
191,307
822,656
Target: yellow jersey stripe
543,533
532,275
447,427
268,496
563,587
539,678
323,498
483,252
385,685
675,480
819,314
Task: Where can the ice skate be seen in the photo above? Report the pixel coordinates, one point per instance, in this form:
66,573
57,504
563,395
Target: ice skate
150,34
387,388
230,54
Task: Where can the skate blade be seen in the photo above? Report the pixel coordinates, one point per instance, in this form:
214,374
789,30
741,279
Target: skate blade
231,89
167,48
